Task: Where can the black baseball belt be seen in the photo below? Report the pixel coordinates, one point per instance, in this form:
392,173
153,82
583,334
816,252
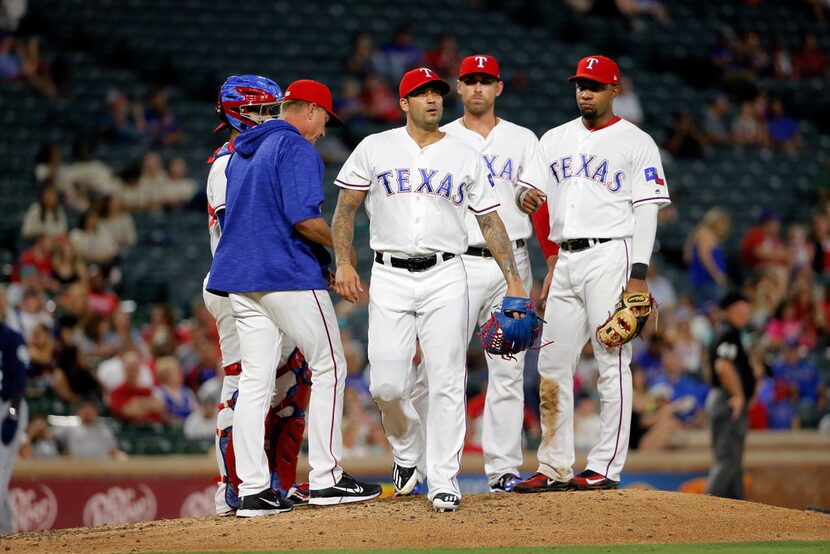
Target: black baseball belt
578,245
414,265
486,253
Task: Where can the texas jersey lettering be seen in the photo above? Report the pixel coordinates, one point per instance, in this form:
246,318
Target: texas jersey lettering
416,209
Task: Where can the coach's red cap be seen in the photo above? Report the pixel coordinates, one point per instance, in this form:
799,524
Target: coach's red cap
316,93
419,77
598,68
480,63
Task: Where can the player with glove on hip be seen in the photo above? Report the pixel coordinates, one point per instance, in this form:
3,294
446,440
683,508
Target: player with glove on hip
604,182
419,183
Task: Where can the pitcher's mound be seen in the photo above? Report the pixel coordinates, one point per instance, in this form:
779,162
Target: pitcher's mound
596,517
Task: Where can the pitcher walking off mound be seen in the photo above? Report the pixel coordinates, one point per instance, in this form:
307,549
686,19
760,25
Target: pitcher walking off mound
506,150
419,183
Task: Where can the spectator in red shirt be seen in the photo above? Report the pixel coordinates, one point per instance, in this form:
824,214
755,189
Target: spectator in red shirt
39,256
762,245
132,402
446,58
381,104
810,61
101,301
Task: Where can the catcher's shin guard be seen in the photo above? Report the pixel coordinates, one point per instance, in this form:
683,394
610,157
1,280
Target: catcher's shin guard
224,446
227,474
285,422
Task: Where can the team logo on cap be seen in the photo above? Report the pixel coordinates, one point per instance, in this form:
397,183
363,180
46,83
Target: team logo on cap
427,72
481,60
591,62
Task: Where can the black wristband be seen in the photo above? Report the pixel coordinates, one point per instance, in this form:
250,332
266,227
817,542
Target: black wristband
639,271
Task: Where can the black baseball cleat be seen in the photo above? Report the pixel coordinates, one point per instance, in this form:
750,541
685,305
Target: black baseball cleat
347,490
405,479
266,503
539,482
446,502
591,480
505,483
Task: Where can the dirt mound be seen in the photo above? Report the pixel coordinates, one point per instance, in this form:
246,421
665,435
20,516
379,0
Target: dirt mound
601,517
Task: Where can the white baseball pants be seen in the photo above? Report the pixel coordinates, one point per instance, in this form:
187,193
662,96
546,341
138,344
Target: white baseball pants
263,321
586,286
8,455
431,306
220,308
501,438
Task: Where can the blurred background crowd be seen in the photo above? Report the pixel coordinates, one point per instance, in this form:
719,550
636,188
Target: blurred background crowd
104,246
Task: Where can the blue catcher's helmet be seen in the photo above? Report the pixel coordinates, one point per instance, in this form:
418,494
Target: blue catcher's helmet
246,101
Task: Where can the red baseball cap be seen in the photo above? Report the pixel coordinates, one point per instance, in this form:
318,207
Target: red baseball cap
316,93
598,68
419,77
480,63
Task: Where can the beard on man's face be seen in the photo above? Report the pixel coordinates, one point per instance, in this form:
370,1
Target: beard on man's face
589,114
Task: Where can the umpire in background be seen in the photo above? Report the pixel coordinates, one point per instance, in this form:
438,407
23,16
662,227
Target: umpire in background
14,365
733,384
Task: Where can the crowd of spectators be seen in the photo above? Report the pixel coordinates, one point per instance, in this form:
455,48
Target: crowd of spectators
786,277
760,122
89,353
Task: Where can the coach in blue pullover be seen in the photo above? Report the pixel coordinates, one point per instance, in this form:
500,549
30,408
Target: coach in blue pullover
266,263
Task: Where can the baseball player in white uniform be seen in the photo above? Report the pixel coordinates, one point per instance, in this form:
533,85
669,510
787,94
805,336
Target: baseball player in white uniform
244,101
419,183
506,150
604,182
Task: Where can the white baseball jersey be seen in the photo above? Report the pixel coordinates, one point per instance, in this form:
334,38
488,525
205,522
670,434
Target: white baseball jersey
506,152
594,179
415,209
217,185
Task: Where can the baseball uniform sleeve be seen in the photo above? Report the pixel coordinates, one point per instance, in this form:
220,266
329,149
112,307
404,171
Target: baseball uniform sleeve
649,180
300,181
217,184
535,175
356,173
529,154
481,198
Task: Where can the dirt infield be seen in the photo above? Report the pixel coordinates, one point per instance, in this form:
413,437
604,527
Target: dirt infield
602,517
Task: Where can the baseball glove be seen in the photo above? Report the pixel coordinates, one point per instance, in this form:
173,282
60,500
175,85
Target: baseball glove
628,320
505,335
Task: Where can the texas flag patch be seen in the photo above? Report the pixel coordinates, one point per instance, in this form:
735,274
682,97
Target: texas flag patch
651,175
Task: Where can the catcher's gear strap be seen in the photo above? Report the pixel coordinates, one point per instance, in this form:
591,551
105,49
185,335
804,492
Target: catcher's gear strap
233,369
229,403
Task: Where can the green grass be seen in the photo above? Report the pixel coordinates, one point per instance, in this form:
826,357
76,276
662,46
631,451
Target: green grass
733,547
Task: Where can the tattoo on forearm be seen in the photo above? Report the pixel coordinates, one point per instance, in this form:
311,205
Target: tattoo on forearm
342,224
499,244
